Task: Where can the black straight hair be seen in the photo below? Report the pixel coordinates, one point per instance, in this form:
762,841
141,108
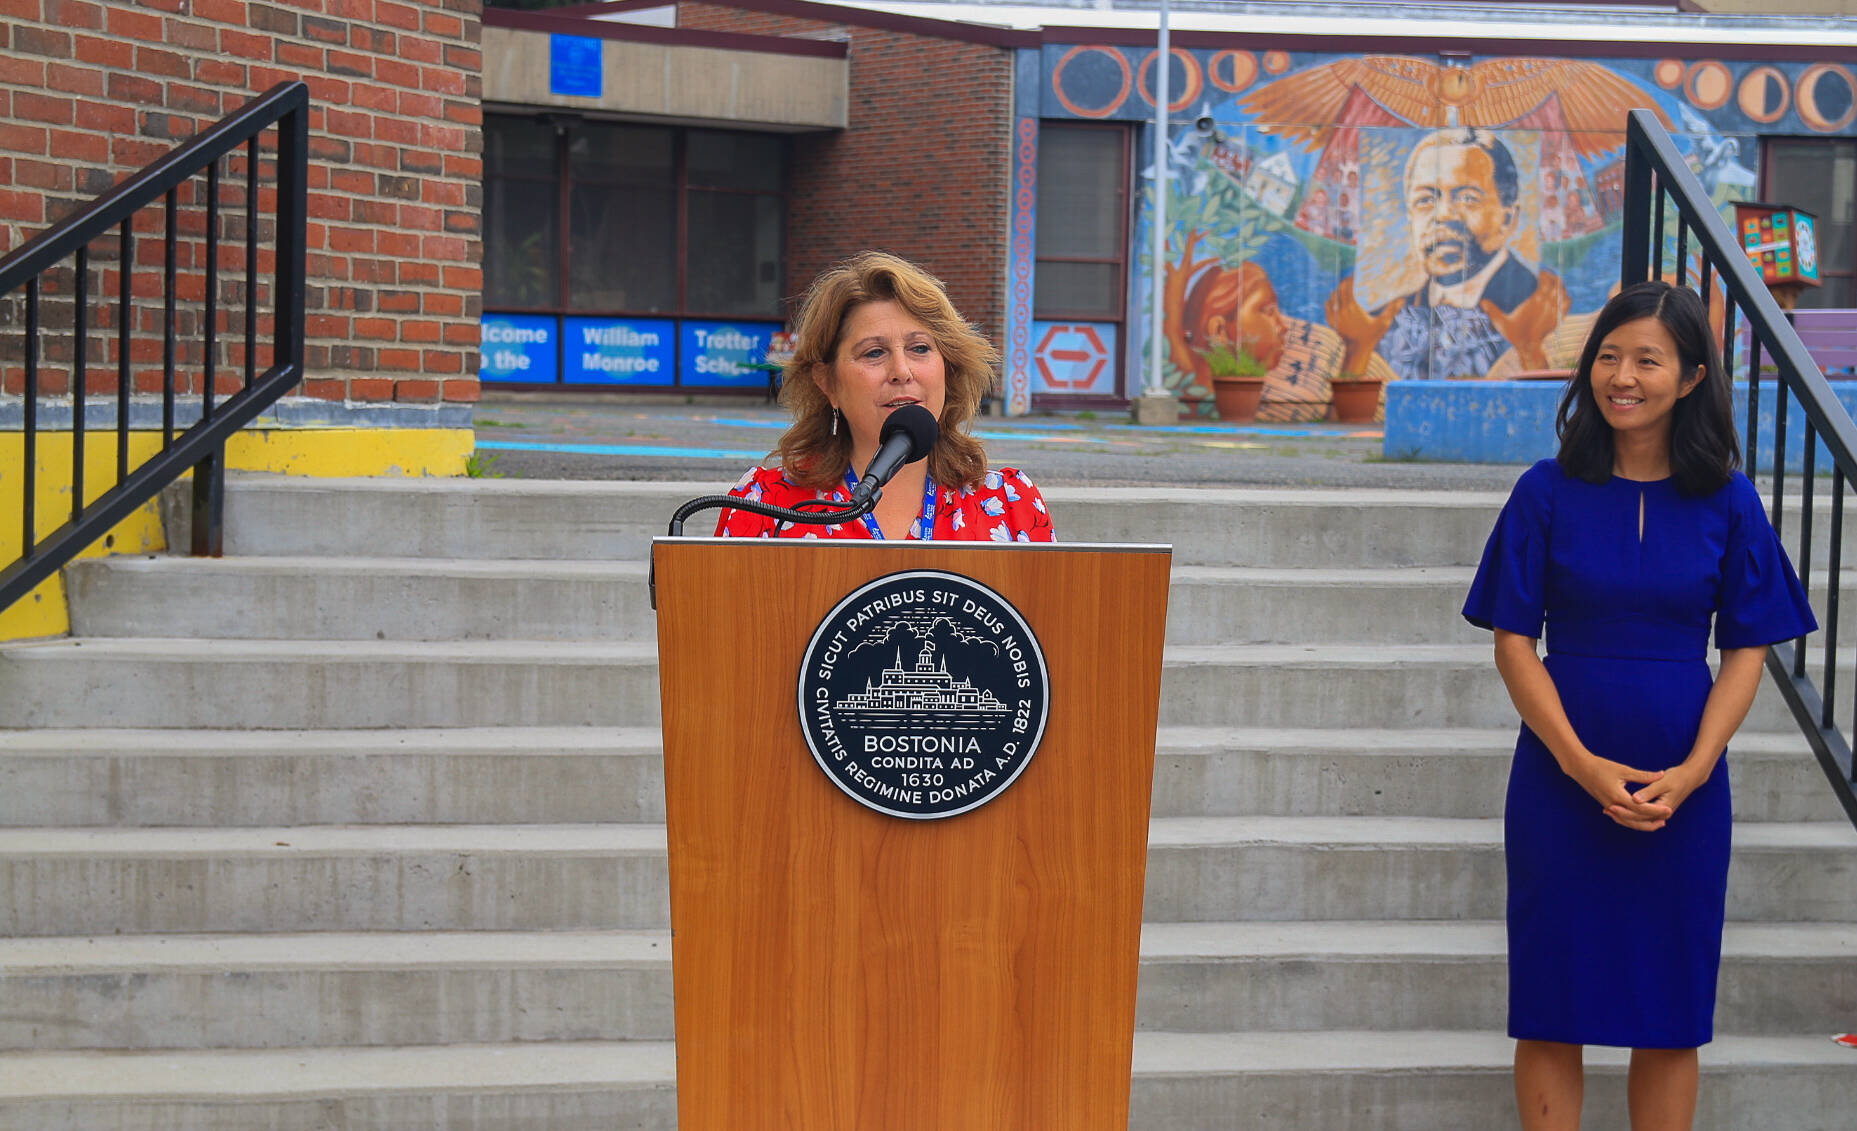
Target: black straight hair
1704,447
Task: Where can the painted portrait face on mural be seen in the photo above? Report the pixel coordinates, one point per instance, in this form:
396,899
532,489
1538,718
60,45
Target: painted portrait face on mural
1465,298
1461,195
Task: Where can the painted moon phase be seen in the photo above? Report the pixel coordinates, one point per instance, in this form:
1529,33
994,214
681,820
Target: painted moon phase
1764,96
1709,84
1826,97
1232,71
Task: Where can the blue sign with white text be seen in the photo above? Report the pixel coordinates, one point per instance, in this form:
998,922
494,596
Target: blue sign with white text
518,347
619,351
574,67
721,353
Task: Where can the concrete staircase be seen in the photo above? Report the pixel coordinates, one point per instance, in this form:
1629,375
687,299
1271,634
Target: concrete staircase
361,827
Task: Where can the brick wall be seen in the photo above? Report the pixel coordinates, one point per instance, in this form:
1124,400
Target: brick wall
92,90
923,168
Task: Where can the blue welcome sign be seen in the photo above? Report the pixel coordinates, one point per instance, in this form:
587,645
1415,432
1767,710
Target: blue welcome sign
574,66
619,351
518,347
722,354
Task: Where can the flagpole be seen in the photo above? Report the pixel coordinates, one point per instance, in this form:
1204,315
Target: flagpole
1155,405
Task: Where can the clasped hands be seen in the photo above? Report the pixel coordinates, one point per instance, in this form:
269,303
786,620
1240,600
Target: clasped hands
1648,808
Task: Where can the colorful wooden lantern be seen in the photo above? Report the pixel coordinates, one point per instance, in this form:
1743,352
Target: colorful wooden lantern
1781,241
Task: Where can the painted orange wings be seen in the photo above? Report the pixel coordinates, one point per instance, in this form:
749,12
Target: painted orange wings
1308,106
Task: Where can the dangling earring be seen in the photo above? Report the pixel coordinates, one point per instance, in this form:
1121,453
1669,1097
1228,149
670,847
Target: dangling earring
834,420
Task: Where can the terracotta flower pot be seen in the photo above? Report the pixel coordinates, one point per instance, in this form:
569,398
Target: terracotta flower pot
1356,402
1237,398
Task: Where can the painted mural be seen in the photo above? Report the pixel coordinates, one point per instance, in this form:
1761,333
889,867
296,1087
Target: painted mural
1397,217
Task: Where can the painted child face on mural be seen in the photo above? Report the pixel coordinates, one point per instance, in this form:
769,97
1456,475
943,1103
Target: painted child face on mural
1237,309
1454,205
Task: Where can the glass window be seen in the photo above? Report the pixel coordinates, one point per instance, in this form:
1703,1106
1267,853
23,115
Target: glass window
1821,178
660,220
613,154
735,245
623,244
751,162
518,147
522,253
1082,221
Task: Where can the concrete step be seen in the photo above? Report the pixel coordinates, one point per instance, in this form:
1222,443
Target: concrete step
571,775
547,1086
1440,975
332,878
323,598
465,775
313,684
268,684
598,877
1304,868
383,988
1319,1081
1433,1081
1290,771
1256,605
310,598
615,521
334,989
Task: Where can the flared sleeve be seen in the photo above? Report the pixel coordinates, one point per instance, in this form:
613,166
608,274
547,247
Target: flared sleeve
1762,601
1510,590
758,482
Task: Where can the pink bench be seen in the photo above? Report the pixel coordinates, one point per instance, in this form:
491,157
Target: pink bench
1831,338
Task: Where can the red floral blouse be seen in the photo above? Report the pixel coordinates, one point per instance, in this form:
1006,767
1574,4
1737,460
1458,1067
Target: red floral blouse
1002,507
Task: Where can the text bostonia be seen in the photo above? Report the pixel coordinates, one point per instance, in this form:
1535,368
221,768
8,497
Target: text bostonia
921,744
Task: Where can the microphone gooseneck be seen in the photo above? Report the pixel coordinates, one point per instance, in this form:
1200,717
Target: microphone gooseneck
908,435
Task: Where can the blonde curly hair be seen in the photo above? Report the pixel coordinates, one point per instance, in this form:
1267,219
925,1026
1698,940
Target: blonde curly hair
809,452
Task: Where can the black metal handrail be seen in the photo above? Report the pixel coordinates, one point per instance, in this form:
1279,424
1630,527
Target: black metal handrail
200,446
1658,182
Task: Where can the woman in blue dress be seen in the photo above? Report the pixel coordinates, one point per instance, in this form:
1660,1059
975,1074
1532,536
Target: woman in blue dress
1616,828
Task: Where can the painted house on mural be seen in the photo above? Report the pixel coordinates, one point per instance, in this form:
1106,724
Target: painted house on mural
1432,195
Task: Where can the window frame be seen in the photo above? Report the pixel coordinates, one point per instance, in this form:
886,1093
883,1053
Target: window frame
1125,222
562,127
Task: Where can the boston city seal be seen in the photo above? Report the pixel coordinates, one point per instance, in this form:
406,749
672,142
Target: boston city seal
923,694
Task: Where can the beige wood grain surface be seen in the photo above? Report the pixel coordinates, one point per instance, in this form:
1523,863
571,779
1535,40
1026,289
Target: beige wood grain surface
837,969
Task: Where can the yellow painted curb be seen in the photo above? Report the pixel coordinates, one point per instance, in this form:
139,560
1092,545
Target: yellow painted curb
307,452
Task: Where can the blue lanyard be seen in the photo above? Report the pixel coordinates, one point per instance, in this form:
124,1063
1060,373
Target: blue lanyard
928,509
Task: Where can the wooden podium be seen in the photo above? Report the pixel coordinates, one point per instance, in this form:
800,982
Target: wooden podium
841,969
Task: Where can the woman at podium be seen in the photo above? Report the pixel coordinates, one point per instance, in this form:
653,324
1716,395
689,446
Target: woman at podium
877,333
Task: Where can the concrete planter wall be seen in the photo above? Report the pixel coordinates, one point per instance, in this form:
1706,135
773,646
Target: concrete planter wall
1513,421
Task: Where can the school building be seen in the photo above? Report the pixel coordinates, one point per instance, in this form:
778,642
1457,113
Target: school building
1433,193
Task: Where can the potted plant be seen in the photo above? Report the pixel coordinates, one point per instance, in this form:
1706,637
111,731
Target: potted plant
1355,397
1237,382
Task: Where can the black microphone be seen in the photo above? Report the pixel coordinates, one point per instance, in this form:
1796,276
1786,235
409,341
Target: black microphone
908,435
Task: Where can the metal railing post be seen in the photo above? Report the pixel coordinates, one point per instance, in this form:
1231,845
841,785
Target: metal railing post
1634,264
199,446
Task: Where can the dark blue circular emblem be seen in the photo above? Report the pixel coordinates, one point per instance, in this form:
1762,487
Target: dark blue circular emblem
923,694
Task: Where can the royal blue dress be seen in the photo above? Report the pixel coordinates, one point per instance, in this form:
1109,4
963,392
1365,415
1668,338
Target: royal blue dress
1615,936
